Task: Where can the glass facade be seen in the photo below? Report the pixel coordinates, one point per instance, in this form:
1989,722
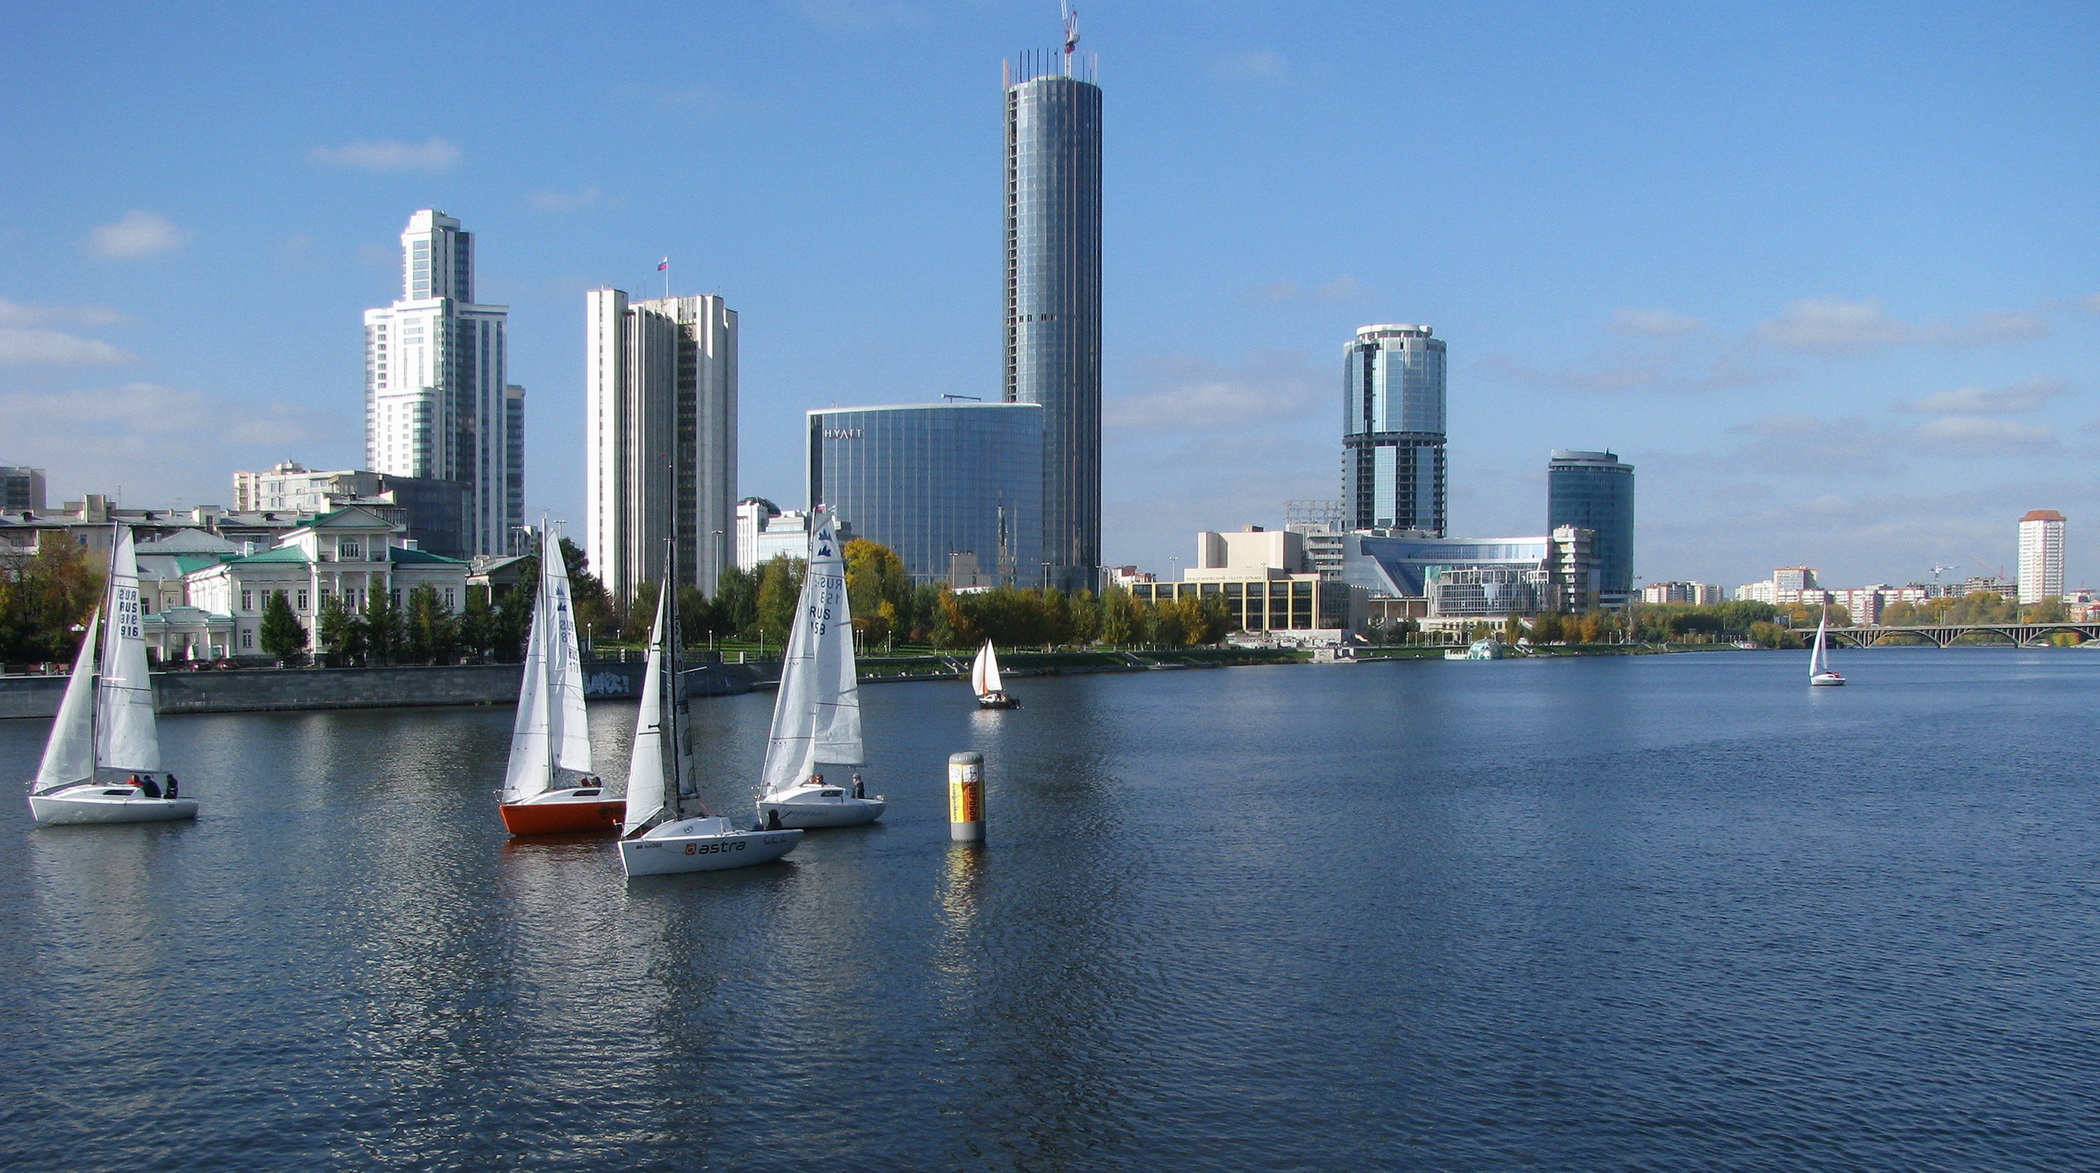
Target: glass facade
1053,304
1404,567
934,480
1393,470
1594,491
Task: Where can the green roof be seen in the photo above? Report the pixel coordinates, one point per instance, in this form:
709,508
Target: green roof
279,554
403,554
192,563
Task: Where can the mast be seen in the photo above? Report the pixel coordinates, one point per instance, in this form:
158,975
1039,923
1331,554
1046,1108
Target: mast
673,637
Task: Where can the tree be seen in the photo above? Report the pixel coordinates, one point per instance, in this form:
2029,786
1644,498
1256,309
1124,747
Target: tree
283,636
735,609
433,636
877,589
476,623
779,584
1546,628
386,633
592,603
1119,617
338,631
44,596
508,626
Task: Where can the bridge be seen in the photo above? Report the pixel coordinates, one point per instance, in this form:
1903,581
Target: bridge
2025,635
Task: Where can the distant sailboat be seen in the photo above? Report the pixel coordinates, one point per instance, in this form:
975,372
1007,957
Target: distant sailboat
984,678
1819,670
549,787
105,735
659,838
816,714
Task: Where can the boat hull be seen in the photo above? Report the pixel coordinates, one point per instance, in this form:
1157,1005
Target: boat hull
997,701
88,805
702,845
1826,680
561,812
814,808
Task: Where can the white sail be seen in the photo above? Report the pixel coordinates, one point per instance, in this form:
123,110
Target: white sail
569,731
816,714
991,682
531,761
124,694
69,756
646,789
977,669
1819,656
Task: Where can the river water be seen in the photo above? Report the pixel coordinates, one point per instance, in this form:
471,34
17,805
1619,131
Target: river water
1635,913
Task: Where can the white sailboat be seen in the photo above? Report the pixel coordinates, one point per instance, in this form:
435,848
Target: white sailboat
104,736
659,838
549,787
816,714
1819,669
984,678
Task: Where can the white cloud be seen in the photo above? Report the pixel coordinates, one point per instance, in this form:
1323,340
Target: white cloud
1260,65
1837,327
1187,394
1655,323
564,201
1622,373
109,436
16,313
138,234
2025,395
25,345
434,155
1969,435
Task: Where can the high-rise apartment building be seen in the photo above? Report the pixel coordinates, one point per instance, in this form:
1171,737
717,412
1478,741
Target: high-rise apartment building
1053,292
21,488
1393,470
437,404
1594,491
659,437
2041,556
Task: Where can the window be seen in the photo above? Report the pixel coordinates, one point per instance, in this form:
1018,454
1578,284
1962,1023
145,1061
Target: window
247,639
449,604
302,601
395,594
248,600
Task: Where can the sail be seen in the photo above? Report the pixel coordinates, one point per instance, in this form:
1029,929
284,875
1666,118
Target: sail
70,754
647,785
990,683
569,726
816,713
1819,656
977,668
531,769
124,695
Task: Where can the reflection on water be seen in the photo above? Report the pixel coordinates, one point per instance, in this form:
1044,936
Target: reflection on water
1656,912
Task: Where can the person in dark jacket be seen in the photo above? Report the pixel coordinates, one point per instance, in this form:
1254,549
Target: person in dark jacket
173,786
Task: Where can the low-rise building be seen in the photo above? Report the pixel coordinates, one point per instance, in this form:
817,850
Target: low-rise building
1299,608
1698,594
1552,572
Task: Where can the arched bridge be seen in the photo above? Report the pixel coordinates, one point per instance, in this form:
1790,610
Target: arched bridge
2026,635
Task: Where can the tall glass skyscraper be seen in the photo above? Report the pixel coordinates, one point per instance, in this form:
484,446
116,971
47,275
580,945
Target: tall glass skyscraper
932,480
1594,491
1393,429
1053,293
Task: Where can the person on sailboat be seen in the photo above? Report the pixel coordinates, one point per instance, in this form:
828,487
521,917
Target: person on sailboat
146,786
860,789
170,792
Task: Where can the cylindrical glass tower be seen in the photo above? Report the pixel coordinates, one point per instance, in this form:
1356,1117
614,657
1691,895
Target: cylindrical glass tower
1594,491
1393,429
1053,298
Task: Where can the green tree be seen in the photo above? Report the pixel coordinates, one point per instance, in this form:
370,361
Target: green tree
283,636
338,631
2046,611
386,632
433,634
877,589
695,615
779,584
1084,625
508,626
735,610
592,602
476,623
1120,622
44,596
1547,628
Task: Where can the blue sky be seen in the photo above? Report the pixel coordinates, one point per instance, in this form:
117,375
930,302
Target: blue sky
1826,273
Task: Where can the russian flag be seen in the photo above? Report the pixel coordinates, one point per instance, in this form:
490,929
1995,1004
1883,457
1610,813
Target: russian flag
663,264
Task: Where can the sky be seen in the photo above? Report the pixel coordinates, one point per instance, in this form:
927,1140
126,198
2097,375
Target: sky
1827,274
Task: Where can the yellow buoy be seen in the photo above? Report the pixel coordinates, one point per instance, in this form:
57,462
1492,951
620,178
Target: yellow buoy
966,797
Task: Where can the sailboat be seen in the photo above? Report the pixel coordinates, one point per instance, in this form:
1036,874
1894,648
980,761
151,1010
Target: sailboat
816,714
984,678
104,738
659,837
549,787
1819,670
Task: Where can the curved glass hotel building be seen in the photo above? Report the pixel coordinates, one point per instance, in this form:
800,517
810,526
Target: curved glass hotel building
1053,295
1393,429
1594,491
953,488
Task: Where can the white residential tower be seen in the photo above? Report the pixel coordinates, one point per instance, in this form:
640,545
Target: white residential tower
2041,556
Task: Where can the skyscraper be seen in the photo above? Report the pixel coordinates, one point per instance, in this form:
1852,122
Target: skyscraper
659,437
2041,556
437,405
1594,491
1393,429
1053,292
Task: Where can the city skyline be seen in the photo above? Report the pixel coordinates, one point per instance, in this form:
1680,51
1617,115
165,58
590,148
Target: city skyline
1736,253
